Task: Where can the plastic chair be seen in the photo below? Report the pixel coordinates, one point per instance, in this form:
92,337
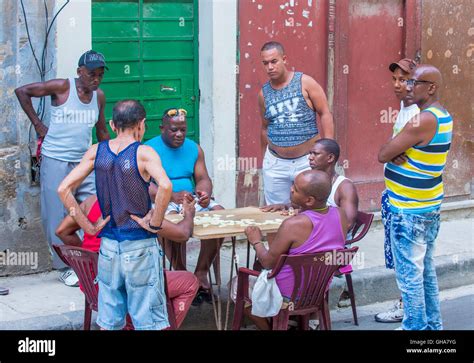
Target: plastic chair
357,232
312,274
84,264
173,258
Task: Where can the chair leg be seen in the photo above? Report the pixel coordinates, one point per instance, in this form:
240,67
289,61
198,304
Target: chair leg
87,317
350,289
304,322
324,316
238,315
280,322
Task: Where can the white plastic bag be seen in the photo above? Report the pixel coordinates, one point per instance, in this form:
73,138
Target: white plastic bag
266,296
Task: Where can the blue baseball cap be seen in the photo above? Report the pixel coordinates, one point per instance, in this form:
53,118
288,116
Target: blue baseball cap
92,60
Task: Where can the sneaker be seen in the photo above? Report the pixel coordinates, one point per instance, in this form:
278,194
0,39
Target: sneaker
394,315
313,324
69,278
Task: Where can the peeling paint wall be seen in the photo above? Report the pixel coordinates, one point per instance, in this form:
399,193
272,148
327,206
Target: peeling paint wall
448,43
367,36
301,26
20,223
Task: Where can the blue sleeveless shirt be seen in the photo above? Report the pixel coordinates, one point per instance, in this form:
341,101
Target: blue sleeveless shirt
291,121
178,162
121,191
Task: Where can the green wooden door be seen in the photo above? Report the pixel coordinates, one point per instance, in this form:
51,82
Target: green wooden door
151,50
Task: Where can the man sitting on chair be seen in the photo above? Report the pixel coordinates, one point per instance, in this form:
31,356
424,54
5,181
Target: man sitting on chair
182,285
183,161
323,156
317,228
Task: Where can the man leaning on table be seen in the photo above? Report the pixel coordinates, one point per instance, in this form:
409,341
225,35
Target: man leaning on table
184,163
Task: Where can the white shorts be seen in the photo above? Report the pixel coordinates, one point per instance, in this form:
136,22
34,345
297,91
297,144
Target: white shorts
279,175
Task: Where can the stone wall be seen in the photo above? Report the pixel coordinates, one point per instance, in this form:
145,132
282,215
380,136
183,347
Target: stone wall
23,248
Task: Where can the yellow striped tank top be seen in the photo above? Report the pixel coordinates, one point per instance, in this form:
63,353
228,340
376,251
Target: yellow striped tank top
416,186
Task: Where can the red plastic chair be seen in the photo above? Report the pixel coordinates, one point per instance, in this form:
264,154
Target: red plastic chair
84,264
357,232
310,294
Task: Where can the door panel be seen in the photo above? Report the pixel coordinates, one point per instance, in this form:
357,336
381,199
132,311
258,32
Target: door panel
151,51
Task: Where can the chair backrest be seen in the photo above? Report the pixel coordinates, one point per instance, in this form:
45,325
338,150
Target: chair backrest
361,227
312,274
84,264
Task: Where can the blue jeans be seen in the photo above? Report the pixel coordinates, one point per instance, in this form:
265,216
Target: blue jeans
386,214
413,239
130,275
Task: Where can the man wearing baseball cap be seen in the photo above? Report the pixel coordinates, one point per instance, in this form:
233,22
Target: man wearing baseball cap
77,105
401,72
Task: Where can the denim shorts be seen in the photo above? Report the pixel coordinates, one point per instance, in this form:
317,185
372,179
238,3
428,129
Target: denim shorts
130,275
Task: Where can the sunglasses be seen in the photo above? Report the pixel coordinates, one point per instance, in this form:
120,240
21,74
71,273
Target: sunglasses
176,112
414,82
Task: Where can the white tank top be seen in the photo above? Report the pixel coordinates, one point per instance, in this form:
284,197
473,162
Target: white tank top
70,127
331,202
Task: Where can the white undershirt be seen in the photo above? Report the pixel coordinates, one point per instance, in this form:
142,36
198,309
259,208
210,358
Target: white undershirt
405,114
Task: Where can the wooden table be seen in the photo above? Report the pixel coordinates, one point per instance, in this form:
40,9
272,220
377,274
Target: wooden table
268,222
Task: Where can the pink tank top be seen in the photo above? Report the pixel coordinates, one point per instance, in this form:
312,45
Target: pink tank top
326,236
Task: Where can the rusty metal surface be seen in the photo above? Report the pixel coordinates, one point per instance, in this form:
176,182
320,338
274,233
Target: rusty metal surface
448,43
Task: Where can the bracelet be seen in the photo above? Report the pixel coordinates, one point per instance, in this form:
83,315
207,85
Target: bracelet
154,228
255,244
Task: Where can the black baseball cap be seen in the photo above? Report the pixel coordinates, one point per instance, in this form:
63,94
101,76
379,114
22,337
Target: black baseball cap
92,60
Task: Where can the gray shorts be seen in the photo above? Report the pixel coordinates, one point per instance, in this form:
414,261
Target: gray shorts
52,173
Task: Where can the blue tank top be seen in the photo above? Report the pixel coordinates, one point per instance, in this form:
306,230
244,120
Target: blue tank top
291,121
178,162
121,191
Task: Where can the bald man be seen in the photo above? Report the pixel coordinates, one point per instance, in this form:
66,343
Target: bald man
415,191
317,228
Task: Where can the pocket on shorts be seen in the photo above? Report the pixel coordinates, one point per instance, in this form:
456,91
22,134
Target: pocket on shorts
159,313
105,267
269,161
141,269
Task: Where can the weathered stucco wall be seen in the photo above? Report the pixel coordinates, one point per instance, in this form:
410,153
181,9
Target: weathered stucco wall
23,248
448,43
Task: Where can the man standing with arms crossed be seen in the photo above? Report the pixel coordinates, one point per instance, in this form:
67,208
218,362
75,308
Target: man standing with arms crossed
415,191
288,103
77,104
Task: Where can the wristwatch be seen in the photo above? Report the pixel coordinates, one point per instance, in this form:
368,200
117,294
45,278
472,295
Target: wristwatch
154,228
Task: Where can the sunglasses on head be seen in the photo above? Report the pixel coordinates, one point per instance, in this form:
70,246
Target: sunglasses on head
176,112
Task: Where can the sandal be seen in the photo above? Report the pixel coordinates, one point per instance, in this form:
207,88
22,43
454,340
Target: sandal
201,296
